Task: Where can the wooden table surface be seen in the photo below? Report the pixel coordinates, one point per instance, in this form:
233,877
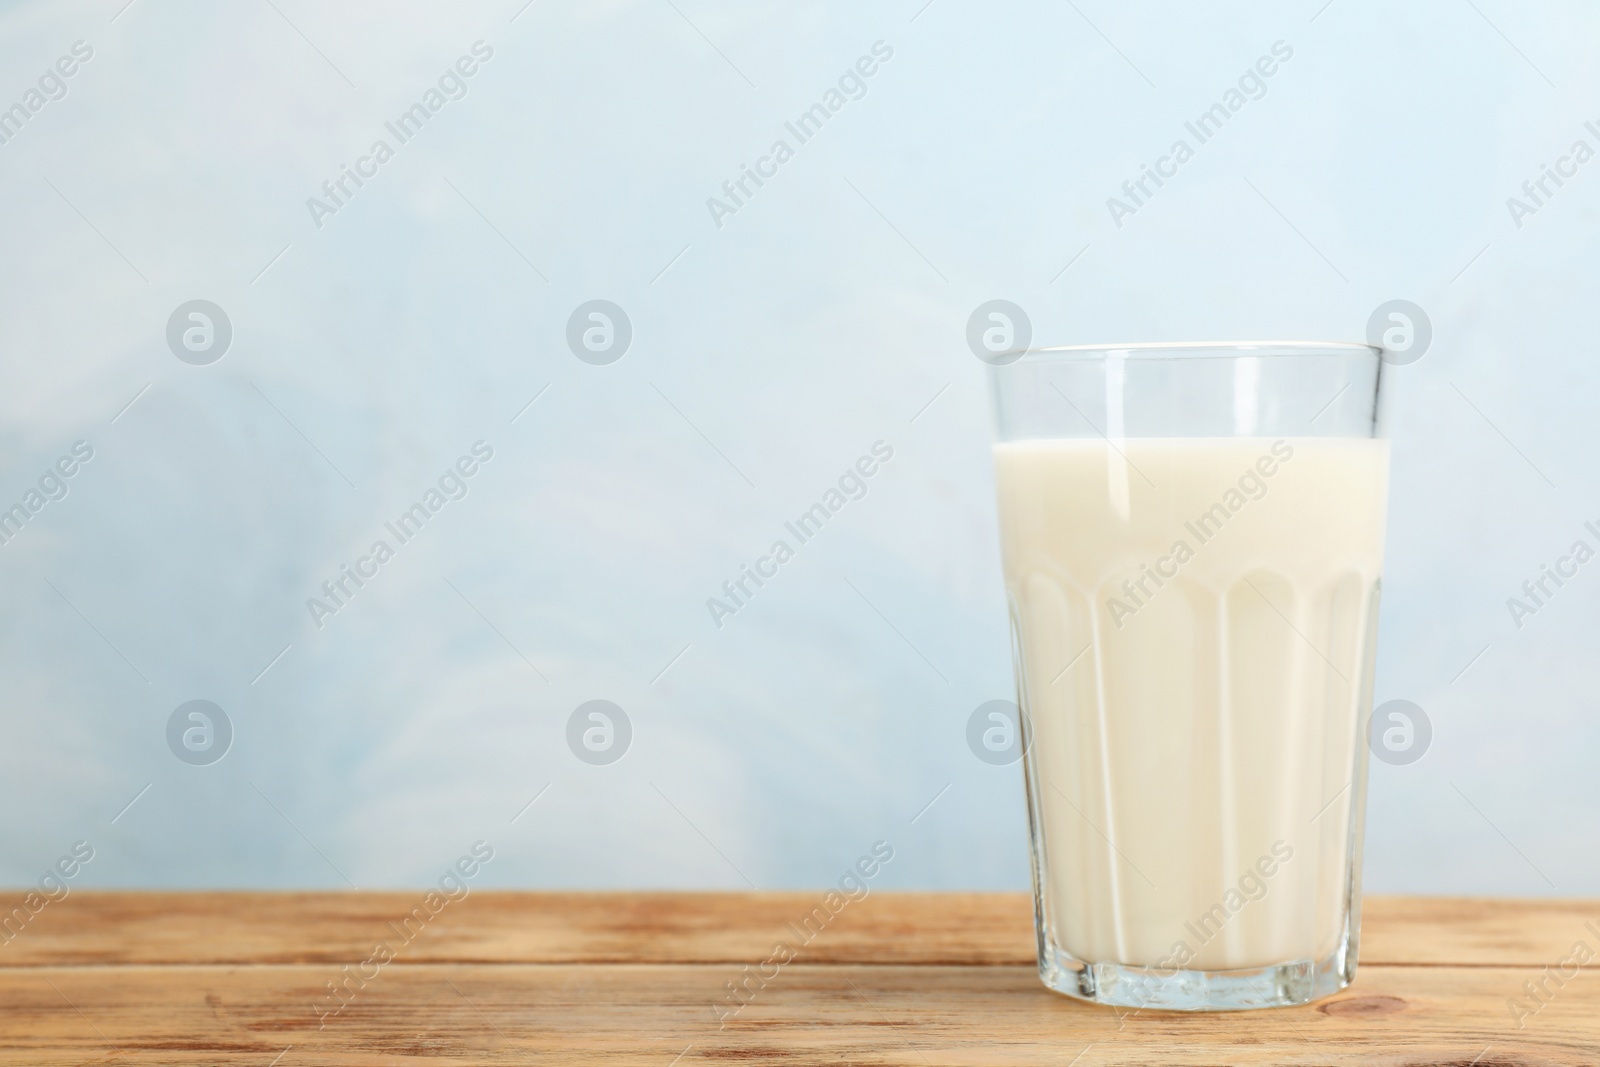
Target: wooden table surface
896,978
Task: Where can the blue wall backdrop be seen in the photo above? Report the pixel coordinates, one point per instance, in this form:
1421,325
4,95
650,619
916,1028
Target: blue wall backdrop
374,338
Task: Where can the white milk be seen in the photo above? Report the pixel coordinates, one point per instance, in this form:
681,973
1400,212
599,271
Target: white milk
1193,764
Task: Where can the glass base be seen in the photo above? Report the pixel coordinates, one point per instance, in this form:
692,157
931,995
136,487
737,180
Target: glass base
1277,986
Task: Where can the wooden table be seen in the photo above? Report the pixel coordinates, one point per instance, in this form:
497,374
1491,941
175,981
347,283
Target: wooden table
917,979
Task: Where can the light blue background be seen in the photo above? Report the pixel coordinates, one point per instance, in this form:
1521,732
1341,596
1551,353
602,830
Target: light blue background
826,315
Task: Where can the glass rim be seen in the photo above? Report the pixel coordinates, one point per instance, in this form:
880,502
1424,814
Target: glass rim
1197,350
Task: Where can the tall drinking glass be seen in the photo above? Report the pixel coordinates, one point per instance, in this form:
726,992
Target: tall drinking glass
1192,538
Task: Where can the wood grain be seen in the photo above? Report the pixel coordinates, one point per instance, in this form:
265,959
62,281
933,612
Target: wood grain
501,927
917,979
648,1013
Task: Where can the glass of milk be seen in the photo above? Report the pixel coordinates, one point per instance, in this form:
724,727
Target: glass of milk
1192,538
